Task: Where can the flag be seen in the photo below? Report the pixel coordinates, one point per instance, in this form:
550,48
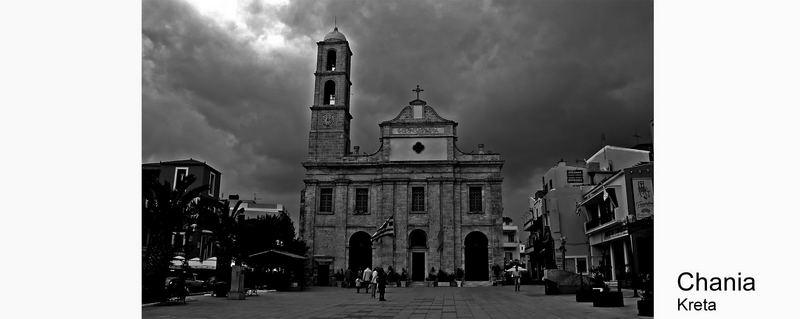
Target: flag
610,194
386,229
581,210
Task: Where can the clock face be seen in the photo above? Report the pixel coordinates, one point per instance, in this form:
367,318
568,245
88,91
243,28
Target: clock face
327,120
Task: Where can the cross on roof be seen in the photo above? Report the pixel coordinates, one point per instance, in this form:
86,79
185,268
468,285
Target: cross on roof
417,90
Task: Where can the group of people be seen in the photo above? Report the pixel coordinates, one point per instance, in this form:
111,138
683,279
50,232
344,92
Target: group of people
372,279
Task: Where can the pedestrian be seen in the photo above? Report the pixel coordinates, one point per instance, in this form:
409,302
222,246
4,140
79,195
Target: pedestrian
348,274
359,279
374,282
515,276
382,283
367,279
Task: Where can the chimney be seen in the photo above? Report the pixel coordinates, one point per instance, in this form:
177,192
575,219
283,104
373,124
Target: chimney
480,149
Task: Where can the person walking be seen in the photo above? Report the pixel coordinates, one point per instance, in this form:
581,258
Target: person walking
367,279
348,278
374,282
382,283
359,279
515,276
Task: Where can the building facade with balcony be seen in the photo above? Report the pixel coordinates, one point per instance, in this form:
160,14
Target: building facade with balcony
619,226
558,237
190,243
511,246
539,247
564,185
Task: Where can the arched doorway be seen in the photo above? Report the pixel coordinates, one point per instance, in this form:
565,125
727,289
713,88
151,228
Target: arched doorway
476,256
360,251
417,246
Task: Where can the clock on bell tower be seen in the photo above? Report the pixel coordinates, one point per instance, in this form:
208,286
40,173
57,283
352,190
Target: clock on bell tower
329,138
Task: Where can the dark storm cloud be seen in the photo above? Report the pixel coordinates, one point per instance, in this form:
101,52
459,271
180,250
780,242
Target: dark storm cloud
534,80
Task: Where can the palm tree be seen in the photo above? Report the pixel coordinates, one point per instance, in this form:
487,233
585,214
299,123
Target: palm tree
166,211
223,220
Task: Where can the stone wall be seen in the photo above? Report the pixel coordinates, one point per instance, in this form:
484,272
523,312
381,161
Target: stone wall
446,219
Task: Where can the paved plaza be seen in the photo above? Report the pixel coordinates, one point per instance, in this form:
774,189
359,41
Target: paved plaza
439,302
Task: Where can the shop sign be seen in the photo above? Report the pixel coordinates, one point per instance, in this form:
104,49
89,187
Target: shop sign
642,197
575,176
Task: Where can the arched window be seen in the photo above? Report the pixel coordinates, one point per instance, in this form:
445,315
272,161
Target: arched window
330,64
418,239
329,97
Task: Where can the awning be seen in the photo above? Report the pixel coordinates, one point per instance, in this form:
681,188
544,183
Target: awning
278,253
195,263
608,193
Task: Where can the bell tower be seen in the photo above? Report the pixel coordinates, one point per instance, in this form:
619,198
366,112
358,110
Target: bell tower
329,138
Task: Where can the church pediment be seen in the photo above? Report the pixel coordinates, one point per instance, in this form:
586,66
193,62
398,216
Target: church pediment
418,112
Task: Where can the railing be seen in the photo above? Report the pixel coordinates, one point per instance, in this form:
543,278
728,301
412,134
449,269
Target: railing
527,225
594,223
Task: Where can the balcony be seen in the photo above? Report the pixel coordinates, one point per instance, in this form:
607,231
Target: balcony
591,224
527,225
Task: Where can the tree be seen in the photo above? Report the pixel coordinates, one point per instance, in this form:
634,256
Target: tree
223,220
166,211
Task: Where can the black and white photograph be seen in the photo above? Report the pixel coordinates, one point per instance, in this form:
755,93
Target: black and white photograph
397,159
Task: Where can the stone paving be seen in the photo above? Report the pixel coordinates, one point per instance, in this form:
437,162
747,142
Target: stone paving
439,302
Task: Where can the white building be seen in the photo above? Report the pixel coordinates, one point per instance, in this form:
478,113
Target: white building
255,210
511,244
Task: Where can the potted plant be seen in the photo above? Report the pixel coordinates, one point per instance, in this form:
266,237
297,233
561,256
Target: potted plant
460,277
645,305
584,293
443,278
604,297
431,282
392,277
404,278
496,272
339,275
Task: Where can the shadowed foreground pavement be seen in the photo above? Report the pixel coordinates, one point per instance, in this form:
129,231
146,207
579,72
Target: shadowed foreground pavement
445,302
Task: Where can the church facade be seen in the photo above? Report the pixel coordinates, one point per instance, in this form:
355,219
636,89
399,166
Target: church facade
446,203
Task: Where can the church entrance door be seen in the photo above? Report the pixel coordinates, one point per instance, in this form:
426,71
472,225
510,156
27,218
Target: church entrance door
323,272
360,251
418,245
418,266
476,259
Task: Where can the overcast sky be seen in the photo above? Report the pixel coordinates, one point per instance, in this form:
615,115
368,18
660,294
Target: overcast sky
231,83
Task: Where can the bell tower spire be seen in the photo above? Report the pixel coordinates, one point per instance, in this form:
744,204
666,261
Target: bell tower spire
329,138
